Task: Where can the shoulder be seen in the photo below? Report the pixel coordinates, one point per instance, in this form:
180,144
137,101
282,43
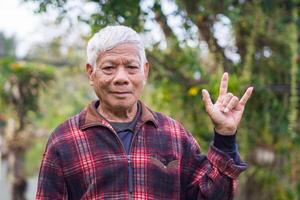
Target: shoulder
174,127
65,131
169,124
163,119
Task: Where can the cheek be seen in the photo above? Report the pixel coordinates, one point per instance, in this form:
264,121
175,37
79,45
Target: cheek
139,84
102,82
100,86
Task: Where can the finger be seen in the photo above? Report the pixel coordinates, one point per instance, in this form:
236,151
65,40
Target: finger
232,104
226,100
223,84
207,101
246,96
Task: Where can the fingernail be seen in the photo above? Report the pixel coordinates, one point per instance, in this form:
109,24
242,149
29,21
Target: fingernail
226,110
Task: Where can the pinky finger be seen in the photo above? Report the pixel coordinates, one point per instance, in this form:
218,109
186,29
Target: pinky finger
246,96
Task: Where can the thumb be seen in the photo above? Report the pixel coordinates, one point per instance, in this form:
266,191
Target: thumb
207,101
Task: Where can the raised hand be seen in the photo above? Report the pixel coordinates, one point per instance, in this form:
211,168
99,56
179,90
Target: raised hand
226,113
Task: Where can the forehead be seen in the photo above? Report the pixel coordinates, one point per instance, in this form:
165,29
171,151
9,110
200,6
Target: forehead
127,51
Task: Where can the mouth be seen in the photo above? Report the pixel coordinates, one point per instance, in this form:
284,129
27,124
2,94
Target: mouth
121,94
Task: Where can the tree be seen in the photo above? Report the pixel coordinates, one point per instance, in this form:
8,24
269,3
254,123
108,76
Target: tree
19,90
192,55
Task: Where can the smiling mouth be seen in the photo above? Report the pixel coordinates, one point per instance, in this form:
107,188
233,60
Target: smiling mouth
121,94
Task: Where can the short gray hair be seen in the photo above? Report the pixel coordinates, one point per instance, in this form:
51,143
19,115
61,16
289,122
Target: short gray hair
110,37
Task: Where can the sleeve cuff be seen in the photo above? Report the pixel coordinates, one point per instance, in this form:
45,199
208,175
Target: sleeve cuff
224,142
224,163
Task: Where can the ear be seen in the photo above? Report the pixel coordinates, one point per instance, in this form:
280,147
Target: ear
146,70
90,72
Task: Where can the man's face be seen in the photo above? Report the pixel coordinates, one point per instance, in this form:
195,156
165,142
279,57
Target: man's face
119,76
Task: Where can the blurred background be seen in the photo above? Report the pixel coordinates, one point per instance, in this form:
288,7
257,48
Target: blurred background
190,43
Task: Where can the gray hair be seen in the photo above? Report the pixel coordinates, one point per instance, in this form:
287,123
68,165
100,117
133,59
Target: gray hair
110,37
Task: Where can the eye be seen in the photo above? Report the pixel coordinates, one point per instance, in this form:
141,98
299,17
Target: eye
108,69
132,68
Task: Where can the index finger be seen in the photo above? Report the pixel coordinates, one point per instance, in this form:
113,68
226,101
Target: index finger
223,84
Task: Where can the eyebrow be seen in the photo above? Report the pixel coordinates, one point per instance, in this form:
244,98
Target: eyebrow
126,61
108,62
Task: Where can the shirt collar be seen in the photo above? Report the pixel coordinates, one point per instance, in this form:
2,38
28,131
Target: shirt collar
93,118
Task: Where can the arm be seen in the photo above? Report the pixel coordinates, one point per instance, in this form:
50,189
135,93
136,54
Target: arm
214,176
51,184
209,177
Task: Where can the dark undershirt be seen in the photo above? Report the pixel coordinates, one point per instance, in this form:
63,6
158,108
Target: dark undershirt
125,130
225,143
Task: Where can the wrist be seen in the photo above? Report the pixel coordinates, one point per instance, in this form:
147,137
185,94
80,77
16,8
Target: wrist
225,131
226,143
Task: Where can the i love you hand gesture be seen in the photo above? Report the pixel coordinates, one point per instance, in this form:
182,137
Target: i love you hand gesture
226,113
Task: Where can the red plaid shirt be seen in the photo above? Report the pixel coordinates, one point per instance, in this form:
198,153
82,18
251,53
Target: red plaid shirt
85,159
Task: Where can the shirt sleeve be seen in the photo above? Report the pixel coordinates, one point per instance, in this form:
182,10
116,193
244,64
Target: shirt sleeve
51,184
228,145
208,177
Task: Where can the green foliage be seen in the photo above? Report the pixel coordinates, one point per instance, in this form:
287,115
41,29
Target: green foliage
34,155
126,12
20,85
294,78
265,36
65,97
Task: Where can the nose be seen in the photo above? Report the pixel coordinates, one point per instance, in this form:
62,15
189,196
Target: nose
121,77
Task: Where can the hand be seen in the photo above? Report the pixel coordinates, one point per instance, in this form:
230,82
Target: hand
228,110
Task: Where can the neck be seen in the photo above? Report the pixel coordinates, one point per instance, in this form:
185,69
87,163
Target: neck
118,114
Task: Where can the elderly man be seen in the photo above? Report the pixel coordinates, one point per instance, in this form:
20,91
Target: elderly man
118,148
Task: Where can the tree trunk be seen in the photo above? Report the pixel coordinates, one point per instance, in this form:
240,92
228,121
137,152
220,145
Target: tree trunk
16,152
18,180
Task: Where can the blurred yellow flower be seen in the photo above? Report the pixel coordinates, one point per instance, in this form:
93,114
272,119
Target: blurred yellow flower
15,65
193,91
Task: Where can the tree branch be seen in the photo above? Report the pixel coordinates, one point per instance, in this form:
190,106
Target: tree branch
166,70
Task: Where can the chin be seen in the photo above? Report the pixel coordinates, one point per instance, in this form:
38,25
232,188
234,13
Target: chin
124,104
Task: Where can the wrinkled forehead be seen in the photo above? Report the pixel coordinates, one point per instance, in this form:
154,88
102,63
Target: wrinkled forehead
130,51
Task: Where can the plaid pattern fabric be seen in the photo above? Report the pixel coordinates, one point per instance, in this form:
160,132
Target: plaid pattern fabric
84,159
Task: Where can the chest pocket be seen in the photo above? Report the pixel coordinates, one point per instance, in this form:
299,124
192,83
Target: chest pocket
167,164
163,176
162,163
163,166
